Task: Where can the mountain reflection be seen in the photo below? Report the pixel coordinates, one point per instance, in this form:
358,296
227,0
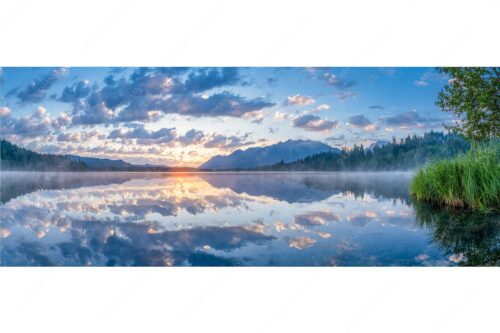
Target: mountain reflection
15,184
311,187
161,219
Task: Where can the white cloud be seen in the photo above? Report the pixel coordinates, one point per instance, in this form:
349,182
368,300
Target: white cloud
256,116
299,100
80,137
428,76
5,112
301,242
322,107
335,81
280,116
421,83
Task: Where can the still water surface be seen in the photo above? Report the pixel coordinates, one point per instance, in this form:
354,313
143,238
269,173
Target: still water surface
255,219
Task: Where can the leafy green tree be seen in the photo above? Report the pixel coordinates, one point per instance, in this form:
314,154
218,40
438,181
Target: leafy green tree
473,95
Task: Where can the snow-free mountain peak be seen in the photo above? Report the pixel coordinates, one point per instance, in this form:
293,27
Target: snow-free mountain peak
286,151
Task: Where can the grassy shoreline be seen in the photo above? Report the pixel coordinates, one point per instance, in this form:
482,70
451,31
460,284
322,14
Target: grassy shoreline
470,181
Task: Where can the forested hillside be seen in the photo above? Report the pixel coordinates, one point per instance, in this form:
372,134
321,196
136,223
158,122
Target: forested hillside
405,154
16,158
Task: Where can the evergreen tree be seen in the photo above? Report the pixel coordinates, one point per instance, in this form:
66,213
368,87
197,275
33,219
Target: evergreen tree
405,154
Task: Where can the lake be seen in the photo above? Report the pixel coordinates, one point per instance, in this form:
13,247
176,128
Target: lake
233,219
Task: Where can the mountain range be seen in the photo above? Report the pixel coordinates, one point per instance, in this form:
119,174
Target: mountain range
17,158
378,144
287,151
409,153
291,155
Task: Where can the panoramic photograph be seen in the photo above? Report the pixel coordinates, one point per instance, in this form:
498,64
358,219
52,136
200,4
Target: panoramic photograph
250,166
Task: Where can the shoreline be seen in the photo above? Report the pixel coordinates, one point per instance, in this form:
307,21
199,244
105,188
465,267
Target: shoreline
213,172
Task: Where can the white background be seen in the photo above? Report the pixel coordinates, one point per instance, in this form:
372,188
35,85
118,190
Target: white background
250,33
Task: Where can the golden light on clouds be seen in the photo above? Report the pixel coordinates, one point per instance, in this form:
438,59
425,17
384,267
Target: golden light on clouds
4,233
301,243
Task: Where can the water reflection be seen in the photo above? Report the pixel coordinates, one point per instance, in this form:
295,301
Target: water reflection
312,187
470,239
158,219
15,184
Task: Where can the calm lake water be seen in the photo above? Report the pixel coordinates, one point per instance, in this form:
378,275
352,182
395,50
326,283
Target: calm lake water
254,219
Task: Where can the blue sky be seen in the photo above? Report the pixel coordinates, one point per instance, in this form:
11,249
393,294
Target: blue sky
184,116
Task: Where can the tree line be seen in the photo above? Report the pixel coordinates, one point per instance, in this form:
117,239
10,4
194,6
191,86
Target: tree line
17,158
405,154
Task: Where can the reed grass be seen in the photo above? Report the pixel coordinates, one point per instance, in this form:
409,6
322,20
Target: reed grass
469,181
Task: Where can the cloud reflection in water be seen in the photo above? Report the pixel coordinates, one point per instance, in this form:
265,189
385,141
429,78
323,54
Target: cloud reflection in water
212,219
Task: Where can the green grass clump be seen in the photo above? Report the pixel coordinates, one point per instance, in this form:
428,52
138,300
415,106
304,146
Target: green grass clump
470,181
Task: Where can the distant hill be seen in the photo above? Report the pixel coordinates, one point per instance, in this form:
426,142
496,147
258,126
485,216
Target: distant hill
17,158
405,154
256,157
13,157
101,163
378,144
105,164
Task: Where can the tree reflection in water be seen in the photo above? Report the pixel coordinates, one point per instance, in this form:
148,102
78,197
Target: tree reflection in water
473,239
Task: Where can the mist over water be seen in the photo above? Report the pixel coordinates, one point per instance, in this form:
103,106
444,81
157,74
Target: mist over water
199,219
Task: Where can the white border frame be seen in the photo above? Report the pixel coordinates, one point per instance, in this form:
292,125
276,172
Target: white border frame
256,33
